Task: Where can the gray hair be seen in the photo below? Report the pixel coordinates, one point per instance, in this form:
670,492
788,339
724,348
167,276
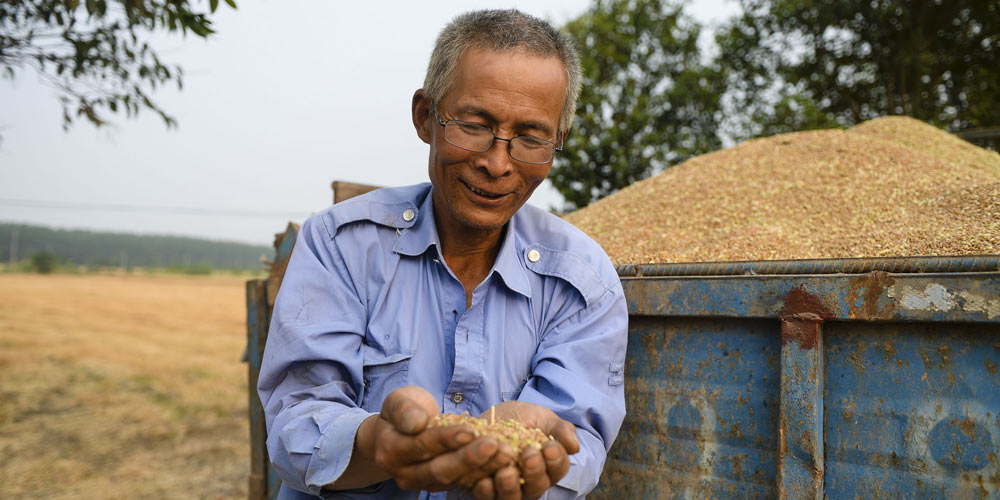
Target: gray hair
502,31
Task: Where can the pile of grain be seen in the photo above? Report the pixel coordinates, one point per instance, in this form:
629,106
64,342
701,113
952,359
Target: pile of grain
512,432
889,187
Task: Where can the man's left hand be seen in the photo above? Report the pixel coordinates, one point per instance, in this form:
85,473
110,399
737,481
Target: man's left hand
540,469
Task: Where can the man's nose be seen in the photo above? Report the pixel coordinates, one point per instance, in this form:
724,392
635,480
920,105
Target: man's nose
496,161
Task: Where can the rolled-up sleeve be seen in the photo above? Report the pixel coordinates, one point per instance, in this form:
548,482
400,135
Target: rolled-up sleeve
578,373
311,370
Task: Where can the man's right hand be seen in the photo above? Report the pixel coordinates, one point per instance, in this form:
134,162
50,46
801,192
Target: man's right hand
398,443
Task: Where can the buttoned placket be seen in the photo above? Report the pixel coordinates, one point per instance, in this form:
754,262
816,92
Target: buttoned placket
470,357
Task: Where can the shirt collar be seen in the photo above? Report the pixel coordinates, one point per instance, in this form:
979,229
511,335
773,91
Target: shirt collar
508,264
423,234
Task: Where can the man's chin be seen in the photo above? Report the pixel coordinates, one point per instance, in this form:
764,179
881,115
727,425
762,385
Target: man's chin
485,224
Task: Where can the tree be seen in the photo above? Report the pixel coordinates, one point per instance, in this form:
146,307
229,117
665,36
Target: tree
44,262
95,54
799,64
647,101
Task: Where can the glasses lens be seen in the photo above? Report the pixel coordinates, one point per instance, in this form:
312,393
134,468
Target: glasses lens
531,150
468,136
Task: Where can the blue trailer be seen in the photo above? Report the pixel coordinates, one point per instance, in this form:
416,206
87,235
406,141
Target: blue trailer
836,379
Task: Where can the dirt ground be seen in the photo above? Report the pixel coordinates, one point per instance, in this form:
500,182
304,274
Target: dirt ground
118,387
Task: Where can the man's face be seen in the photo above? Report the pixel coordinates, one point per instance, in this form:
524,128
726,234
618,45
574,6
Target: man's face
511,94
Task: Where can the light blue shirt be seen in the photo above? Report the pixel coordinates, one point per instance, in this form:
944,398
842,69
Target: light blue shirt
368,305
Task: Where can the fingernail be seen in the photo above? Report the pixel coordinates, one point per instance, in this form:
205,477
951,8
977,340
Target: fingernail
464,437
412,419
550,452
533,462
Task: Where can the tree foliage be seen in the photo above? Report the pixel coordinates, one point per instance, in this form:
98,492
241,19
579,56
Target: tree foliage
44,262
801,64
647,101
96,53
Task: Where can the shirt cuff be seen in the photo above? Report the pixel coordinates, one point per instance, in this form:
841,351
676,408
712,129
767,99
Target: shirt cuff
333,450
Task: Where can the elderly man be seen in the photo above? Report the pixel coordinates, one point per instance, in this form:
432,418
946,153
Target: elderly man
453,296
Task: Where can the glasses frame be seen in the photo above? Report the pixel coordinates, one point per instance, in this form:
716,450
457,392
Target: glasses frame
443,123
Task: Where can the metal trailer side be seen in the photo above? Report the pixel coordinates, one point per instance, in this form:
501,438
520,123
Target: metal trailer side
837,379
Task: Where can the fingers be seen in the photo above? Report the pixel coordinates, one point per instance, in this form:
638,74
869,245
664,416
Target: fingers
428,444
483,490
462,468
508,484
565,434
556,461
410,409
533,471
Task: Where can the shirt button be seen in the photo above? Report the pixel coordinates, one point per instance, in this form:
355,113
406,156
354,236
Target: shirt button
457,397
408,215
534,256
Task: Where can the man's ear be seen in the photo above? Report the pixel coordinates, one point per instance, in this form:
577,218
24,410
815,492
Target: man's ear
422,119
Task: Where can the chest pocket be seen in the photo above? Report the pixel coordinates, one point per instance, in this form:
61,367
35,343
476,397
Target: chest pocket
514,392
383,373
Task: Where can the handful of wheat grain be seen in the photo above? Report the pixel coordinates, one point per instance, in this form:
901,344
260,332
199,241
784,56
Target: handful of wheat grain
512,432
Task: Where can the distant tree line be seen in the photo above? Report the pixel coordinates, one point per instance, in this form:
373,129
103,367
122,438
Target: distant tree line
101,249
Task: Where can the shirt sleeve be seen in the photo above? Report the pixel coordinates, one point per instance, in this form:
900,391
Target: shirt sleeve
577,372
311,370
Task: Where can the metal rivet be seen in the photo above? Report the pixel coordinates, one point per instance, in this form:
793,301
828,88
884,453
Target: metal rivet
457,397
533,255
408,215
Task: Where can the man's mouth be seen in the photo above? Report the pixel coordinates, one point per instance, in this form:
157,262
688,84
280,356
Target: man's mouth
484,194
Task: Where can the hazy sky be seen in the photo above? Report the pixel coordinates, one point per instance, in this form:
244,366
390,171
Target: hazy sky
285,98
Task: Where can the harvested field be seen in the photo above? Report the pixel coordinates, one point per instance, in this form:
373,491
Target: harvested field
888,187
122,387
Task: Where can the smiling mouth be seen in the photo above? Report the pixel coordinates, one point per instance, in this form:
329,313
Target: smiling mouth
484,194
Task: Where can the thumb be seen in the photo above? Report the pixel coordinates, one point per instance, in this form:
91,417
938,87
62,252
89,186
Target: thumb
409,409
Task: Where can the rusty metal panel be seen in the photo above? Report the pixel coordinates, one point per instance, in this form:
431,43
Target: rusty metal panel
912,410
703,398
879,385
800,421
876,296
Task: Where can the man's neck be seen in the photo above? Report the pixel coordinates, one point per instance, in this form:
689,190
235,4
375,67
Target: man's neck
469,253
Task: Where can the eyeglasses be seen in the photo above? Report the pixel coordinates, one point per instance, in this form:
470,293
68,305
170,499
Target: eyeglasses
479,139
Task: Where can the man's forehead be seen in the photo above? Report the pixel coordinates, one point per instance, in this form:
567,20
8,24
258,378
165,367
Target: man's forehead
488,83
466,110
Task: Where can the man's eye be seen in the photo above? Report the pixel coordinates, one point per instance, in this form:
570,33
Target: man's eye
533,143
472,129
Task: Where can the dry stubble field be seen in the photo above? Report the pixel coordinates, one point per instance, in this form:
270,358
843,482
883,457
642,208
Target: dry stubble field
115,387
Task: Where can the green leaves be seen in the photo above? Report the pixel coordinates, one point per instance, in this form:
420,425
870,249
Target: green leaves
799,64
103,64
647,101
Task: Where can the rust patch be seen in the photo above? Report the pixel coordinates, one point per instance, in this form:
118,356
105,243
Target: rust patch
869,288
968,427
799,301
991,367
804,331
801,318
945,353
890,350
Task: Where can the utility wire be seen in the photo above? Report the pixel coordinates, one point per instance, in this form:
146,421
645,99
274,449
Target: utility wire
115,207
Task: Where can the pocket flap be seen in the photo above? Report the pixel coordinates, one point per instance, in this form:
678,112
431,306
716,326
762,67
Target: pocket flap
374,356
